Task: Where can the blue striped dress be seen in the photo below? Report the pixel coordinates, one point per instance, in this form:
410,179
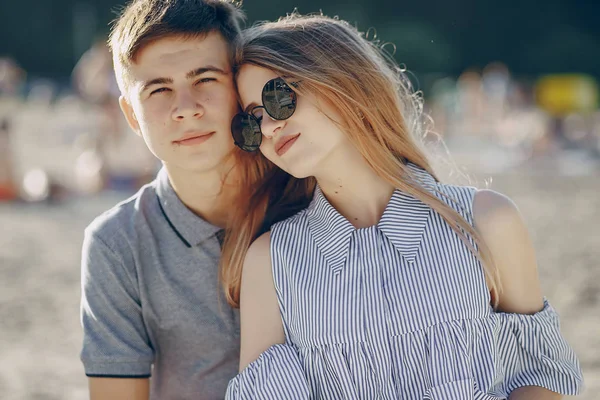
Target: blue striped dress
399,310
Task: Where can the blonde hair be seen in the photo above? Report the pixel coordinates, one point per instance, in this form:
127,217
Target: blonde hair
380,114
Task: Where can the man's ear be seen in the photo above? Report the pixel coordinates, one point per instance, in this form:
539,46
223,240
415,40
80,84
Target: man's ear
129,114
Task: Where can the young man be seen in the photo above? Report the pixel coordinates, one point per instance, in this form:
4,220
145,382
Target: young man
151,301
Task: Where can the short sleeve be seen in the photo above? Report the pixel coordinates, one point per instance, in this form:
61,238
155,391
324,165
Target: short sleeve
276,374
115,341
533,352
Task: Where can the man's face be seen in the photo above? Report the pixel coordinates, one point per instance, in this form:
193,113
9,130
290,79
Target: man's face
181,99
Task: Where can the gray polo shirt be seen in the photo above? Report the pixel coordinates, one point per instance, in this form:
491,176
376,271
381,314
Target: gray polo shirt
151,301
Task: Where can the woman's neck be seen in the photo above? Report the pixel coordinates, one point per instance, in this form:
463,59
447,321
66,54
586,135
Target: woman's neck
355,190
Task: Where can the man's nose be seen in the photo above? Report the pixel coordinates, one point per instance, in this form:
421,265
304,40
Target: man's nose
187,107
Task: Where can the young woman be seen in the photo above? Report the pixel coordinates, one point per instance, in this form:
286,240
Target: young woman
390,284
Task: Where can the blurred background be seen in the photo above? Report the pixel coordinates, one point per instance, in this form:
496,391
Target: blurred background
512,88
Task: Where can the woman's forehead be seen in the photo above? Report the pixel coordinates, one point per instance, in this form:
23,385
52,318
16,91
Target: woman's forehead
251,80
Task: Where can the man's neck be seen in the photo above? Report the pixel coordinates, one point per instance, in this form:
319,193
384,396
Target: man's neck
207,194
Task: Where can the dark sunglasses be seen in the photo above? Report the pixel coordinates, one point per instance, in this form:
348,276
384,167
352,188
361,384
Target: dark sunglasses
279,101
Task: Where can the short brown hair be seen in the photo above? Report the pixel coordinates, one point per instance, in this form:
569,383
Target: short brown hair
144,21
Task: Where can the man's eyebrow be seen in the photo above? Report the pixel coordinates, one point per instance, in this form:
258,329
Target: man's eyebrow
156,81
192,74
202,70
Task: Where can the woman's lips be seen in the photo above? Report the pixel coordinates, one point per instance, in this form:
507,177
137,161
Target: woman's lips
284,144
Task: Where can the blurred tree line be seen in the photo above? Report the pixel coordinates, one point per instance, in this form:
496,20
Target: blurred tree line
532,37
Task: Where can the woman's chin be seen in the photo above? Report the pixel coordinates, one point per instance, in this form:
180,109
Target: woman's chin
296,172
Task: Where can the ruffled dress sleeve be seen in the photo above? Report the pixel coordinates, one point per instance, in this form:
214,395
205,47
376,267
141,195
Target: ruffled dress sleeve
276,374
533,352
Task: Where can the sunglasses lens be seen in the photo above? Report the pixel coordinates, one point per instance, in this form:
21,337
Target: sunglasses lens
279,99
246,132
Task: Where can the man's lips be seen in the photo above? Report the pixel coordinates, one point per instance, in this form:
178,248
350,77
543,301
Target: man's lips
194,138
284,143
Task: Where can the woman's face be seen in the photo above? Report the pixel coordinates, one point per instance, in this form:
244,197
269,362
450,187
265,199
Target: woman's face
300,145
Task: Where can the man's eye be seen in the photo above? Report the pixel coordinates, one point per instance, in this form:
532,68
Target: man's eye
205,80
160,90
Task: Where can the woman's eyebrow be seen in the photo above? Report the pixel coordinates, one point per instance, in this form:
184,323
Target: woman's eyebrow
250,106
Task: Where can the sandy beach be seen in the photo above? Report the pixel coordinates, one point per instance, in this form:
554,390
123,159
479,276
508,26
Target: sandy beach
40,333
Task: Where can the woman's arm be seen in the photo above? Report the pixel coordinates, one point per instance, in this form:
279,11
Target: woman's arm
260,319
501,226
269,367
534,393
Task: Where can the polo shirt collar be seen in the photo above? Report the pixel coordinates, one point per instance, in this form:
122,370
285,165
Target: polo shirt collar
189,227
403,222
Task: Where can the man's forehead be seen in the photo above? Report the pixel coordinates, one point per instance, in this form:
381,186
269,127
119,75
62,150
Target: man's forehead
178,55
